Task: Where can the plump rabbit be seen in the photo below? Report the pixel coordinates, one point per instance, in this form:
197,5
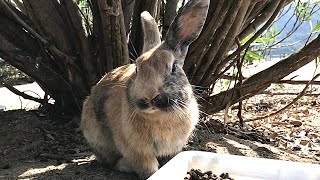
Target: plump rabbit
140,112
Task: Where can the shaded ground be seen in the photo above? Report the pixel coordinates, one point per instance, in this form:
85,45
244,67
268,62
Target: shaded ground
33,146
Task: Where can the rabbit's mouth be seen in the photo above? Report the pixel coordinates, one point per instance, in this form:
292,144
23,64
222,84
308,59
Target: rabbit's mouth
150,110
159,103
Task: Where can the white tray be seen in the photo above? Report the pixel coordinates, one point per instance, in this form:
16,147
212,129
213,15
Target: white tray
238,167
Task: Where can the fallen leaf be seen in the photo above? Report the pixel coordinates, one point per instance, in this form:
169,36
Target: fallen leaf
295,123
312,135
304,143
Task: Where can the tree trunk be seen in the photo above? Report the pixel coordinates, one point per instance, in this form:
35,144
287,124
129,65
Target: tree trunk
127,7
169,15
56,50
136,36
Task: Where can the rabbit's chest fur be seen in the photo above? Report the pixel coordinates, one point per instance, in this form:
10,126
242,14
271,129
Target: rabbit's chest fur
165,133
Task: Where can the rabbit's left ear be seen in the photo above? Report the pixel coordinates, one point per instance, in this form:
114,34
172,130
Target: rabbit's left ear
151,34
187,25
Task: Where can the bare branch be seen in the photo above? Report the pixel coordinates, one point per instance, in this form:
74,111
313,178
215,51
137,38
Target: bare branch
278,82
170,14
35,34
302,93
262,80
211,78
22,94
80,39
266,14
217,41
227,43
216,15
50,24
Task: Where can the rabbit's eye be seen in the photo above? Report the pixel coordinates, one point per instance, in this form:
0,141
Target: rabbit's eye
136,70
174,68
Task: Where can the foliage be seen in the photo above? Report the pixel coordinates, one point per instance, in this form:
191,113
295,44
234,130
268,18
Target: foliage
10,73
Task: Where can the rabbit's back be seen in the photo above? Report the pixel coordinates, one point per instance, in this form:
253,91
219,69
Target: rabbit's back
101,112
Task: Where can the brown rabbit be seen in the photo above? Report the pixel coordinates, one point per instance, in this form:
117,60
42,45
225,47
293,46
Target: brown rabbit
140,112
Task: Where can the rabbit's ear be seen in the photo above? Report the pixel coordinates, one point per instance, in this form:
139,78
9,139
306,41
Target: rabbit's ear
187,25
151,34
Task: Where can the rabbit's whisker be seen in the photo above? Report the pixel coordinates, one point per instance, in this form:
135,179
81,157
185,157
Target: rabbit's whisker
135,55
181,113
133,114
116,84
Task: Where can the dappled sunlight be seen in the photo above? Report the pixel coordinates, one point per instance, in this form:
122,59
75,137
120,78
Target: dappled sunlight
33,172
85,160
36,172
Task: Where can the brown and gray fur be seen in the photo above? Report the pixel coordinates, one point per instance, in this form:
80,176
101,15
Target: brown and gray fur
140,112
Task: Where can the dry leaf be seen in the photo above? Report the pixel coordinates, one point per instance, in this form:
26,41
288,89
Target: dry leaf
304,143
295,123
279,123
312,135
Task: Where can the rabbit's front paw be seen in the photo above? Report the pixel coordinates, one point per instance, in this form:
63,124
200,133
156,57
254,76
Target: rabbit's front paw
123,165
146,166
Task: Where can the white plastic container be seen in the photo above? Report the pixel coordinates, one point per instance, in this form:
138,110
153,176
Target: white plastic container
238,167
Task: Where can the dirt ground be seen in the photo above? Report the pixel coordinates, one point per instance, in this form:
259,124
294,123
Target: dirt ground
37,147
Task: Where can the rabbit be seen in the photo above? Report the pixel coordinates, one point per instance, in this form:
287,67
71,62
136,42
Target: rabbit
140,112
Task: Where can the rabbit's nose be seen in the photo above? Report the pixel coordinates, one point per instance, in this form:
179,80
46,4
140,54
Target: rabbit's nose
161,101
143,103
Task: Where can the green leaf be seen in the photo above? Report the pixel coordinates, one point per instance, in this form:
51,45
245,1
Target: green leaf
246,39
264,40
254,56
281,86
317,27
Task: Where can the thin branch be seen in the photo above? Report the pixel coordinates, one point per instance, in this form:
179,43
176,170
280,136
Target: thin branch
232,78
22,94
289,93
217,41
35,34
240,79
285,107
247,44
262,80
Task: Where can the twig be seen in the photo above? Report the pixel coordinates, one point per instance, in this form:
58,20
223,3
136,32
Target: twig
232,78
240,79
19,93
289,93
285,107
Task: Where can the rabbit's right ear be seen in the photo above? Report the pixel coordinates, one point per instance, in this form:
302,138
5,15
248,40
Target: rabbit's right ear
151,34
187,25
